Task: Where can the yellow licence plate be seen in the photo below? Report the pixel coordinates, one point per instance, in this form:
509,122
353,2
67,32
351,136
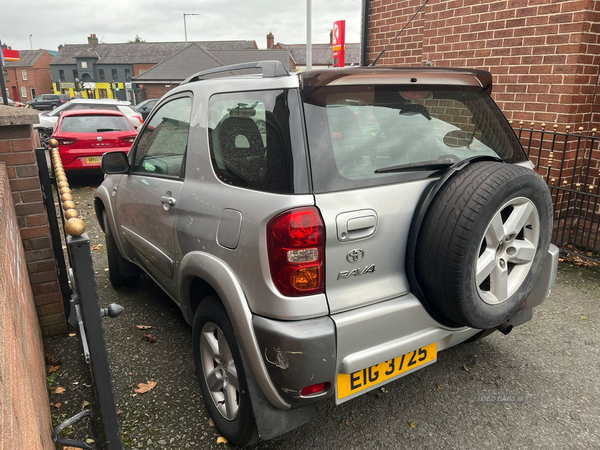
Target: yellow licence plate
350,383
94,159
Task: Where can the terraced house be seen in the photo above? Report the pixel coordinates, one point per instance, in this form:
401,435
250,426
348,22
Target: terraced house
29,77
97,70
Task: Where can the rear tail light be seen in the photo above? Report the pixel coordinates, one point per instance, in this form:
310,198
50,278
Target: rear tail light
295,242
128,139
66,141
139,118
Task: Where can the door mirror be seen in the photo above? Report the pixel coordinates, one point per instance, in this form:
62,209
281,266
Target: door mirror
458,138
115,162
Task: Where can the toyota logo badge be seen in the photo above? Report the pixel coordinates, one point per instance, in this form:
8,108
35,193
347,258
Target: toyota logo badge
355,255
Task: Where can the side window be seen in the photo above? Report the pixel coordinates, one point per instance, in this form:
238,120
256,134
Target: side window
250,140
162,145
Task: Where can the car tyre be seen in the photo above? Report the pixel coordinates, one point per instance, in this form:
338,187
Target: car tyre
54,106
120,271
218,363
482,243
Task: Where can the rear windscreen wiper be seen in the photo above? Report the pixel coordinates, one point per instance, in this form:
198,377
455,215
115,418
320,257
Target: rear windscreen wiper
421,166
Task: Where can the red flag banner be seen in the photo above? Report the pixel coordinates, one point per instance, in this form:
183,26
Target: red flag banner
11,55
339,43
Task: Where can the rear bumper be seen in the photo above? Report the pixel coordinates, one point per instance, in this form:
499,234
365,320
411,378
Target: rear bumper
298,354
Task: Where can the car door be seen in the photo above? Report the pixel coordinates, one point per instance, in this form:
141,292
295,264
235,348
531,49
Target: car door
147,197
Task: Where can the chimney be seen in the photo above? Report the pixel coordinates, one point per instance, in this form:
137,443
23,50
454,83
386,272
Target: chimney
60,47
92,40
270,40
331,38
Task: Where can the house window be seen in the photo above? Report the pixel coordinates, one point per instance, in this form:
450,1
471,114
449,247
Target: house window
114,75
61,75
32,92
84,64
101,72
75,74
6,76
23,92
127,75
24,73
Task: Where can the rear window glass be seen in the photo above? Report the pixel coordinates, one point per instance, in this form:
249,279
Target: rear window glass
95,124
256,141
355,130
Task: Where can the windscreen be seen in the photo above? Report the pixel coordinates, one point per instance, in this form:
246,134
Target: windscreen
354,131
95,124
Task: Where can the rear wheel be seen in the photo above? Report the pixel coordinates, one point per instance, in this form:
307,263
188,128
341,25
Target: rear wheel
221,374
120,271
483,242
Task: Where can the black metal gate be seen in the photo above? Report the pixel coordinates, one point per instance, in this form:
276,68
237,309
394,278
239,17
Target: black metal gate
81,304
570,164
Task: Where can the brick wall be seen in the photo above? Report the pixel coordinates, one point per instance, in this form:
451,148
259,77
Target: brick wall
152,90
25,413
543,54
17,144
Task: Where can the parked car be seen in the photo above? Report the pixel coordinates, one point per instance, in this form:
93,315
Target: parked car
48,120
146,106
13,103
377,217
85,135
48,101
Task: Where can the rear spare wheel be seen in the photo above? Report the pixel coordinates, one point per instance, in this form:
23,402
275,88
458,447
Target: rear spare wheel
482,243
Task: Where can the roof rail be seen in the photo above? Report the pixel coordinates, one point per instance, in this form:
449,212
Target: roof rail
270,69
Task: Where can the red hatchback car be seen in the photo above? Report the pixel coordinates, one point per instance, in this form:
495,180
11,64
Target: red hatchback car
85,135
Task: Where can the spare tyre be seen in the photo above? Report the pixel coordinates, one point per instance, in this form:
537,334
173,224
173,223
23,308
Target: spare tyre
482,244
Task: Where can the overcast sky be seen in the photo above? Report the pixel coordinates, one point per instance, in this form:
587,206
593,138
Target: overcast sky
55,22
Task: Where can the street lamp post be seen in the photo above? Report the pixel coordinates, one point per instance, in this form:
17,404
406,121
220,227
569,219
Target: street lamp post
308,34
30,44
184,25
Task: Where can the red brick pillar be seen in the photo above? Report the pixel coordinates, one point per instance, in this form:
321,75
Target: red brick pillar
18,140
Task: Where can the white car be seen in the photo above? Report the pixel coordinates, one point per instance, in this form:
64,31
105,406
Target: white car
48,120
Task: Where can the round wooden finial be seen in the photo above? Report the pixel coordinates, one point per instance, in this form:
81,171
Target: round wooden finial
594,130
62,184
59,173
580,129
521,123
69,204
543,125
532,124
553,179
75,227
66,198
510,121
71,214
568,127
591,187
65,190
62,178
53,143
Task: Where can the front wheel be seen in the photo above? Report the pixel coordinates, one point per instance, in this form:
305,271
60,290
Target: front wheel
221,374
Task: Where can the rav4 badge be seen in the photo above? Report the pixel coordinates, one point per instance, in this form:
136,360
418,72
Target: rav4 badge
356,272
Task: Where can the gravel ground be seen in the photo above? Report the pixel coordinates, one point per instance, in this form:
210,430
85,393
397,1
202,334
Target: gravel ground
552,363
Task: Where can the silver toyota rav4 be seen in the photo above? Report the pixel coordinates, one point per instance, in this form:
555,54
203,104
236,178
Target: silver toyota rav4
327,232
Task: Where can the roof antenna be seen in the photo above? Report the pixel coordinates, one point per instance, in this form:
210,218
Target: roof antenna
392,41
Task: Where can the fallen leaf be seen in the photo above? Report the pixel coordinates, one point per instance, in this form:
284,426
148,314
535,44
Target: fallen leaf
89,441
72,334
583,317
85,403
346,422
59,390
145,387
53,369
222,440
210,422
148,337
411,424
439,387
384,390
70,448
96,247
465,368
130,373
57,405
143,327
106,270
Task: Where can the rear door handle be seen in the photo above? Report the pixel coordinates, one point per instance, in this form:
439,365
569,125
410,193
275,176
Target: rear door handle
168,200
356,225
